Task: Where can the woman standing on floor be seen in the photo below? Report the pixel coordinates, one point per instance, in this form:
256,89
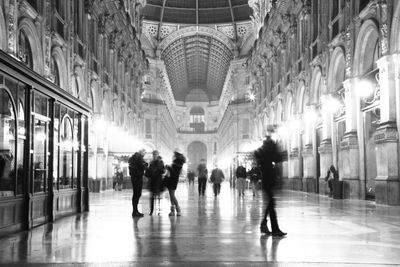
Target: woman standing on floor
155,173
171,181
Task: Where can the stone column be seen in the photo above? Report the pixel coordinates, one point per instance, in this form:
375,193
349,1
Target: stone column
309,179
295,180
110,170
350,170
387,190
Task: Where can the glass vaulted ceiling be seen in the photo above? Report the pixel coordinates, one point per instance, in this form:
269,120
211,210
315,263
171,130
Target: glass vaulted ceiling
196,63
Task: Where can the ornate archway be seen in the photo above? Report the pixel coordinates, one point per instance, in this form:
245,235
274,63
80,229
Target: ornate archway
196,151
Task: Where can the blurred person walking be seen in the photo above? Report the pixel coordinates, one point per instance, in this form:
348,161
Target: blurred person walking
202,176
255,176
267,156
241,175
171,181
217,177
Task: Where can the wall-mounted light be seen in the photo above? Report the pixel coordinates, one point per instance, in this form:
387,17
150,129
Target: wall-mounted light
330,104
251,96
365,88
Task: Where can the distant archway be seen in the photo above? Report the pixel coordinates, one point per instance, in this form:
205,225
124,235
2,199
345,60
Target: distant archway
196,151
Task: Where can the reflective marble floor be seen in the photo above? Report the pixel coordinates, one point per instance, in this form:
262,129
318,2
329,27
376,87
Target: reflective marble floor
213,232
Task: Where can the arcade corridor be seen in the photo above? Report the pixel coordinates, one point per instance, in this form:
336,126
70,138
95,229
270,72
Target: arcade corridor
213,232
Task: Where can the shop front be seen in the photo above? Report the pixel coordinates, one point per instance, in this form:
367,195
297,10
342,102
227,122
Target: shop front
43,157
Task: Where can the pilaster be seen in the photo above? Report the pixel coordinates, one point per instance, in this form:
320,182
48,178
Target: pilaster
295,182
309,180
387,186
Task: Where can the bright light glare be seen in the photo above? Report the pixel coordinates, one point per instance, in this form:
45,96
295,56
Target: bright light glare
294,125
40,137
310,116
331,104
251,96
365,88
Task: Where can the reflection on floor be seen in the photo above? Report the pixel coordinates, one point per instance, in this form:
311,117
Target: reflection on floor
221,231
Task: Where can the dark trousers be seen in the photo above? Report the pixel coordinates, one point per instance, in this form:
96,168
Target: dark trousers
202,185
137,185
268,196
217,189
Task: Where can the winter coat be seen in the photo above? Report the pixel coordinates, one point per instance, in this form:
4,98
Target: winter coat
217,176
172,179
266,156
202,170
137,165
154,173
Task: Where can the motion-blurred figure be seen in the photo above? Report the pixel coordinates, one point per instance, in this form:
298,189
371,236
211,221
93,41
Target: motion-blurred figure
241,175
217,177
155,173
202,176
255,176
190,176
171,181
267,156
331,176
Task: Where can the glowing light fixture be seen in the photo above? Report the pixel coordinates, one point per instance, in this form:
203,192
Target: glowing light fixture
365,88
330,104
251,96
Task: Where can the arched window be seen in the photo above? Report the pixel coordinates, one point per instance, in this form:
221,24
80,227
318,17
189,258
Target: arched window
66,144
7,144
197,120
24,49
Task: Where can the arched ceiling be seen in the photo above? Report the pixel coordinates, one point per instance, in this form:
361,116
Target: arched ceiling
197,62
197,11
196,39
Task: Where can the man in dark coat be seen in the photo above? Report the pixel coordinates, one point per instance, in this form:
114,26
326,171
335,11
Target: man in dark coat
267,156
217,177
137,167
202,177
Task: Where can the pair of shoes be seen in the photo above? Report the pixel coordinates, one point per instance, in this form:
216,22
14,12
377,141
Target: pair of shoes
172,213
278,233
264,229
178,211
137,214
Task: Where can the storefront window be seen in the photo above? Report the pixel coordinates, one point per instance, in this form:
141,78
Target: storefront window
40,143
56,144
76,150
7,144
66,142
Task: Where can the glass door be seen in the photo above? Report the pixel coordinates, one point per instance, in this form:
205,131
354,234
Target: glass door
40,141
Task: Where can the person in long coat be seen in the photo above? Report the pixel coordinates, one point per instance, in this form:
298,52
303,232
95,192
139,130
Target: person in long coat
267,156
171,181
155,173
137,167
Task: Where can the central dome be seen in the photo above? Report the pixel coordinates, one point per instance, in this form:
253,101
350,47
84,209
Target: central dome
197,11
